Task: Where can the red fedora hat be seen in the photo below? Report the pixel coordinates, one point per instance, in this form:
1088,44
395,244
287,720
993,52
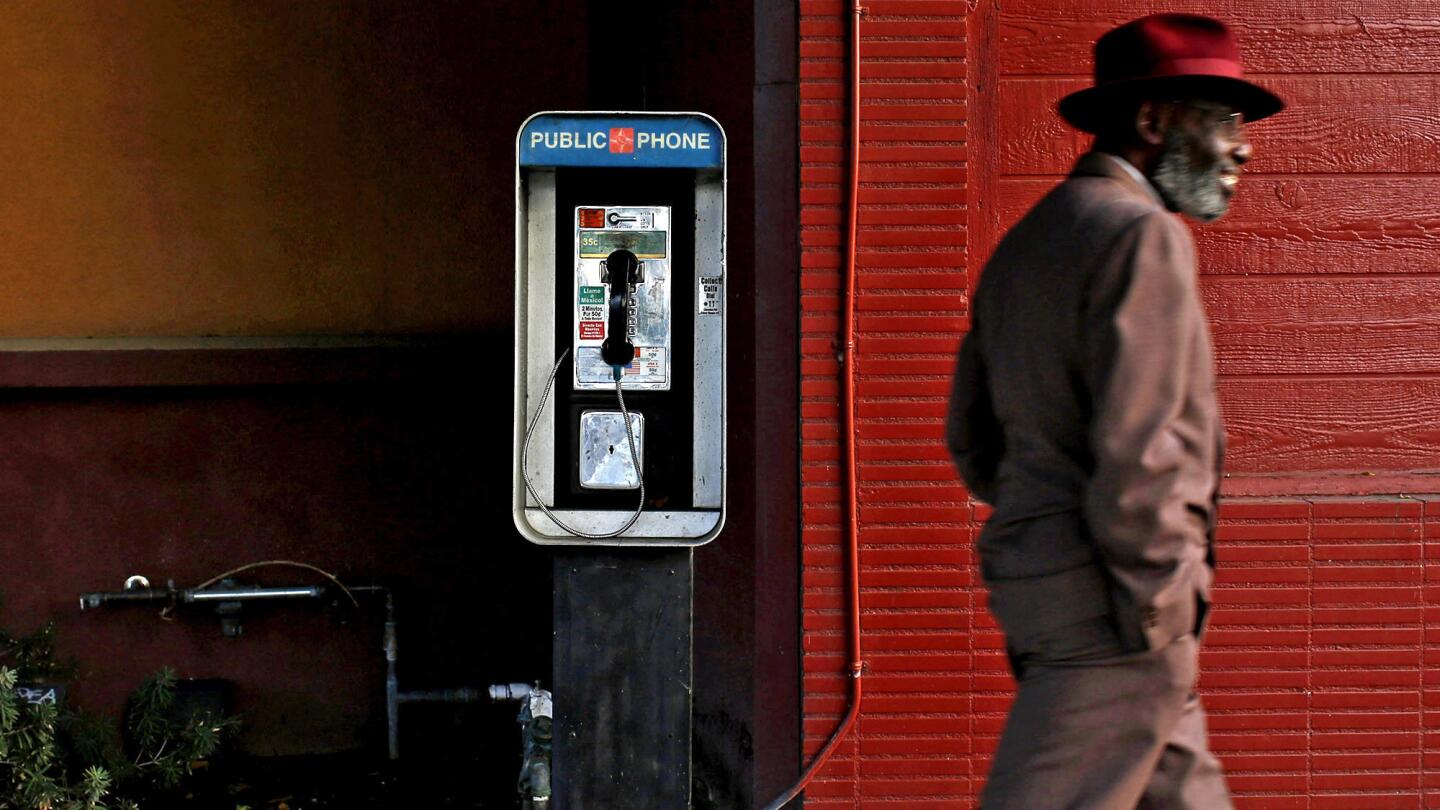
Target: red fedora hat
1184,54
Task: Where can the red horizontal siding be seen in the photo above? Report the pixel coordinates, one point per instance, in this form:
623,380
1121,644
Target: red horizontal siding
911,748
1322,668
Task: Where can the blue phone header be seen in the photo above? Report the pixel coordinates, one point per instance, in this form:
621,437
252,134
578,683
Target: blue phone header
663,141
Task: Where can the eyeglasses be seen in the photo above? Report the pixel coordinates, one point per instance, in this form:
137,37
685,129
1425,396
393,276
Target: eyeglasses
1219,117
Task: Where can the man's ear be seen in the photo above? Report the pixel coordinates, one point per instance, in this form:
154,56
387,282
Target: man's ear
1151,119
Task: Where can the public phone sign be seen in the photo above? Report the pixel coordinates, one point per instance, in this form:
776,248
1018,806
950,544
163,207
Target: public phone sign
667,141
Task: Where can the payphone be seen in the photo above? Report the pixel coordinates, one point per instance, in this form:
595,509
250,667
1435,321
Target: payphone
620,329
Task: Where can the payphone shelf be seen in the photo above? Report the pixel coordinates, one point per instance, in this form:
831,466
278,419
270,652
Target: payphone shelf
688,528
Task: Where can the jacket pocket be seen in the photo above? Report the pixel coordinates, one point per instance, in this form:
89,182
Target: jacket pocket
1175,612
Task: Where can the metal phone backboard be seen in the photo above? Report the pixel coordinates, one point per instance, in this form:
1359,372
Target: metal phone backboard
644,231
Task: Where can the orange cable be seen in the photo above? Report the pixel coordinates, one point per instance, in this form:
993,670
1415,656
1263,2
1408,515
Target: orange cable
847,404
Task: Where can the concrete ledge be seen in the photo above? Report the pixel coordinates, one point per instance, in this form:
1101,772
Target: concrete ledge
184,362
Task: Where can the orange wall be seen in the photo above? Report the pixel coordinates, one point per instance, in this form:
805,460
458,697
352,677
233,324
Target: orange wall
176,168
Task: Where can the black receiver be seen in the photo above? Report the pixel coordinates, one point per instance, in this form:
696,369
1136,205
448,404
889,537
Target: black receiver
621,270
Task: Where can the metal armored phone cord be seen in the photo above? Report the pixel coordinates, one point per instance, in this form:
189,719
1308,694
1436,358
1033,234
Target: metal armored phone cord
634,456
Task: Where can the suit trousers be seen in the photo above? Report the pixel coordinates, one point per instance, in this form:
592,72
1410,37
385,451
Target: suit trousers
1096,726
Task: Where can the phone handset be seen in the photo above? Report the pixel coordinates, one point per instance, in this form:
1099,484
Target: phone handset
621,270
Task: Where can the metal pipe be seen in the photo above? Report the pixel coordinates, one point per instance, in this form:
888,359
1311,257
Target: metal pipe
393,696
392,678
251,594
91,601
849,435
443,696
391,646
510,691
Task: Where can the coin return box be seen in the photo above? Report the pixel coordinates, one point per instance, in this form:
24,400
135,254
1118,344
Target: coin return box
605,461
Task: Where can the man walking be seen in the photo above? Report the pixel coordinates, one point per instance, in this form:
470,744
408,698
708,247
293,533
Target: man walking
1084,410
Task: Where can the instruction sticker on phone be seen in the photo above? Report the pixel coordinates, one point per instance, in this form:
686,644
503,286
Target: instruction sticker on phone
712,295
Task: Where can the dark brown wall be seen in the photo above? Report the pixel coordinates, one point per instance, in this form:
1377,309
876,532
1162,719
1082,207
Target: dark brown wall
376,483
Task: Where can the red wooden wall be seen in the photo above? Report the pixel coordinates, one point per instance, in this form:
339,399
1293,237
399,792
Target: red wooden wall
1322,670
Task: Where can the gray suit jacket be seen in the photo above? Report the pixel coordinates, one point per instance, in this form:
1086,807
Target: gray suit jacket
1084,408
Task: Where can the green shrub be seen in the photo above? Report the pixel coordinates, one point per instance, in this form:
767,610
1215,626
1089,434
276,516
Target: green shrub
33,767
52,758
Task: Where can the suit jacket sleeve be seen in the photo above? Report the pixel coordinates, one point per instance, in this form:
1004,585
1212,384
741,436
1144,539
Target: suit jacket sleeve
971,430
1141,314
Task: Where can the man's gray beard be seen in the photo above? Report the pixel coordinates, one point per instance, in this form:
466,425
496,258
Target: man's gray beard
1191,191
